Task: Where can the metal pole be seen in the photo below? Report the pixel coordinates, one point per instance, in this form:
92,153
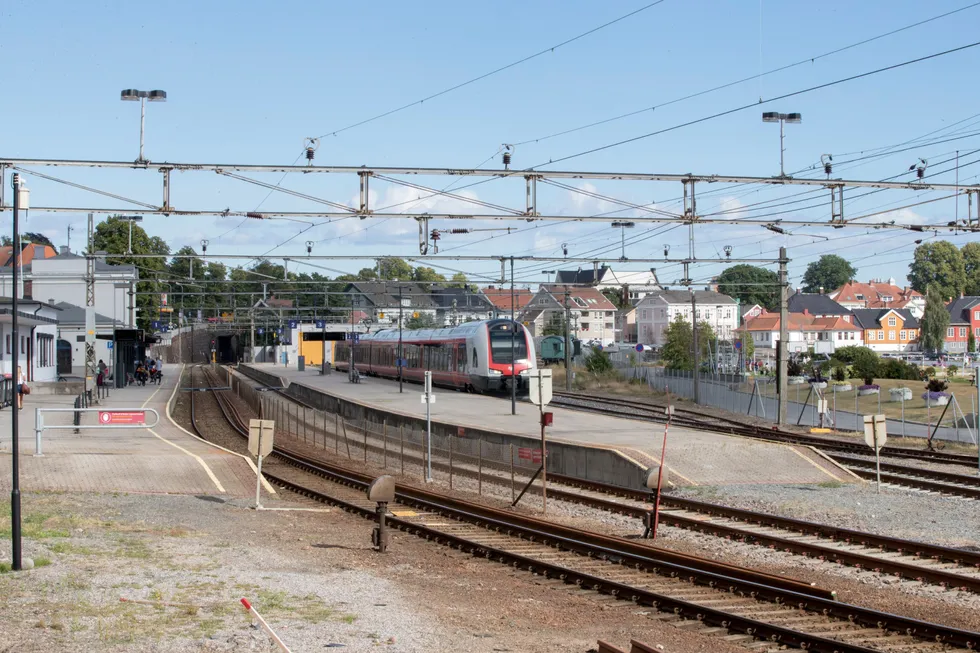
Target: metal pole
903,414
513,344
479,469
401,359
694,343
783,367
401,435
129,250
15,534
874,425
568,343
544,449
142,123
323,346
660,476
782,169
513,491
428,424
350,365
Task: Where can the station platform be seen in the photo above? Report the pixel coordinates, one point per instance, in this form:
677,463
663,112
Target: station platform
694,457
162,459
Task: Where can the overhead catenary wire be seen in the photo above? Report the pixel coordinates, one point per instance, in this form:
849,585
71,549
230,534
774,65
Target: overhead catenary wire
493,72
746,79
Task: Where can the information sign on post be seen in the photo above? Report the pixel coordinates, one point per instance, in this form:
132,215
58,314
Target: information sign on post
875,436
136,417
260,437
539,388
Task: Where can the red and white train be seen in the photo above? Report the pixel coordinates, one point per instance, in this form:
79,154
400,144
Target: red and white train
475,356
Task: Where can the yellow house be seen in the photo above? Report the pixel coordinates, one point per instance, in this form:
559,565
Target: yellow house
888,329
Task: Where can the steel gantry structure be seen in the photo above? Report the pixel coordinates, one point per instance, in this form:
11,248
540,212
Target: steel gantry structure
483,210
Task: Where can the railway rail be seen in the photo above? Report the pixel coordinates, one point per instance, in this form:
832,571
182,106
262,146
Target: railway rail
840,450
906,559
732,604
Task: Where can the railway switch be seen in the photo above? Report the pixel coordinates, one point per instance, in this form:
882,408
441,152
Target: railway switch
381,490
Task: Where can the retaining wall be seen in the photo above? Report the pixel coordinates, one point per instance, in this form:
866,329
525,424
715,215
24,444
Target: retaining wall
579,460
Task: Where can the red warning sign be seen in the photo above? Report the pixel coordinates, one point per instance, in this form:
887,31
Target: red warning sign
527,453
122,417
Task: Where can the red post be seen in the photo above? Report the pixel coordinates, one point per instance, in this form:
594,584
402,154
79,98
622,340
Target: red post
660,472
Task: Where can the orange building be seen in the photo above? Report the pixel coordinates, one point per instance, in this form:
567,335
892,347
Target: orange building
888,329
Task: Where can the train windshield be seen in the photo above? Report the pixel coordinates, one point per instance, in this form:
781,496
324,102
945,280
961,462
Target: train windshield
501,340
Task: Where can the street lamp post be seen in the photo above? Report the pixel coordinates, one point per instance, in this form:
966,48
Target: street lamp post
131,219
782,118
21,195
623,226
131,95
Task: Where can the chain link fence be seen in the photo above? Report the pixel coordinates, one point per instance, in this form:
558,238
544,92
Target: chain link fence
757,397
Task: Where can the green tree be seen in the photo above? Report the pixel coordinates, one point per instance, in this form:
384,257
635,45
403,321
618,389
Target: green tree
619,297
939,266
27,237
934,322
751,285
423,321
828,272
458,280
112,236
971,265
971,343
555,326
36,238
678,349
425,276
395,268
598,362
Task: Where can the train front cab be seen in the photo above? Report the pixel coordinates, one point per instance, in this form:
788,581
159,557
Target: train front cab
510,358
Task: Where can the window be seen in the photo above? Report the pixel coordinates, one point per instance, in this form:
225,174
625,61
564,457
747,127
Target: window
976,315
643,314
891,335
584,326
852,335
949,332
840,335
728,313
902,334
962,332
23,344
8,343
976,332
891,321
609,325
860,297
871,335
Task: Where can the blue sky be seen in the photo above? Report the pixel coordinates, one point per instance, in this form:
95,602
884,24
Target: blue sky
247,82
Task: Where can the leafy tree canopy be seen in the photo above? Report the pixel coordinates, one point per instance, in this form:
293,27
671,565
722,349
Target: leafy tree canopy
934,322
36,238
751,285
828,272
939,266
458,280
423,321
971,264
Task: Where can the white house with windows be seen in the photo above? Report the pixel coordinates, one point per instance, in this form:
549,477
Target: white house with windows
637,284
61,278
822,335
34,350
592,315
658,309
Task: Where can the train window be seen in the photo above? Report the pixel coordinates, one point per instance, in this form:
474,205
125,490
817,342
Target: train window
476,363
461,358
505,347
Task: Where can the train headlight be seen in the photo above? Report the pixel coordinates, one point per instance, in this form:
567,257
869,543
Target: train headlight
524,372
495,372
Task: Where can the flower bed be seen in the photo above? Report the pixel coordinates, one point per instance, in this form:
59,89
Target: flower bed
842,387
936,398
819,385
796,380
900,394
871,389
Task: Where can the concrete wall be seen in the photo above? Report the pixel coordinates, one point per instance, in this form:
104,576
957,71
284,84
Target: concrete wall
592,463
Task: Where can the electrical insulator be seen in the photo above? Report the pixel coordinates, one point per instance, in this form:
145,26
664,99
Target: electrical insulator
508,153
564,249
459,231
309,247
666,250
920,172
828,166
728,251
435,234
204,247
310,145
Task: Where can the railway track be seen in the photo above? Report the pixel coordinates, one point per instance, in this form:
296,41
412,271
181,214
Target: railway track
737,604
906,559
840,450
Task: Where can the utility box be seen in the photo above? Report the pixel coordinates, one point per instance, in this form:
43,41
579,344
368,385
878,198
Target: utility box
301,363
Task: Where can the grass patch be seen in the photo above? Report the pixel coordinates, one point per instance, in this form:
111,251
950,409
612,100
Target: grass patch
41,562
831,484
136,549
5,567
34,525
67,547
349,618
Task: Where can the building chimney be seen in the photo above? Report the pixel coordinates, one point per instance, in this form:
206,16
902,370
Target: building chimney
806,311
798,290
64,250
